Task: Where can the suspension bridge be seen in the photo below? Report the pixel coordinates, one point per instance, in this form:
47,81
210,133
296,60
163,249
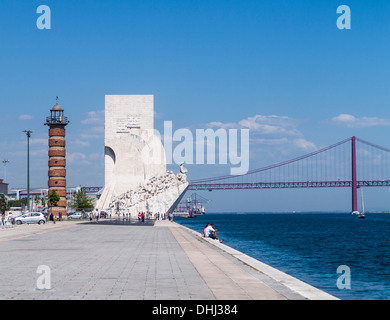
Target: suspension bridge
351,163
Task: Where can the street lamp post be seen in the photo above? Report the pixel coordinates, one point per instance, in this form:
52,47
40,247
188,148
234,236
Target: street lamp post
28,134
5,161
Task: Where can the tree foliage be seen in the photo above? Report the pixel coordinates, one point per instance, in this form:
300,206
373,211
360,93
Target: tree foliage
3,204
81,201
53,198
18,203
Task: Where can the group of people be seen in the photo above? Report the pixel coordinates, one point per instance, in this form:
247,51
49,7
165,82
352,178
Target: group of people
157,216
210,232
94,214
141,216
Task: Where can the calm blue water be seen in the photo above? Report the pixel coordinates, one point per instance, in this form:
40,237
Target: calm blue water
310,247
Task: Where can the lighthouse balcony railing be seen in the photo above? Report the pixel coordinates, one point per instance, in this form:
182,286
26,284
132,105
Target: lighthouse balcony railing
59,119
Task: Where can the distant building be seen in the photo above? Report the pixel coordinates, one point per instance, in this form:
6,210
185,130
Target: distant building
3,187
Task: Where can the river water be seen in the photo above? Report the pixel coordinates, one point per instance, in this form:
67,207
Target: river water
311,247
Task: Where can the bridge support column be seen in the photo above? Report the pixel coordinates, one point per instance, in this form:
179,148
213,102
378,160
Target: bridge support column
354,180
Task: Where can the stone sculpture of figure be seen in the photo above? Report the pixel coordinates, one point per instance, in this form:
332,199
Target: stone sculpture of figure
182,169
180,177
154,186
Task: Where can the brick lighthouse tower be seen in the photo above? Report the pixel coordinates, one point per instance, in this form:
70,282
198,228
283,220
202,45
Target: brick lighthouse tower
57,157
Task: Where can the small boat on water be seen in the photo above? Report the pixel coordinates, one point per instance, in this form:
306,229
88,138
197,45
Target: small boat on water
360,215
192,207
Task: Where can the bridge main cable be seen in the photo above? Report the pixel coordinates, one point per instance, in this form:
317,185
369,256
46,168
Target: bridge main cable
206,180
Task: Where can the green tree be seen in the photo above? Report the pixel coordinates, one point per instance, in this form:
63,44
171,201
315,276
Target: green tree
3,204
53,198
37,200
18,203
82,202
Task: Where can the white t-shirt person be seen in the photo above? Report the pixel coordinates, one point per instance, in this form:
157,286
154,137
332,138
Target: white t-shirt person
209,232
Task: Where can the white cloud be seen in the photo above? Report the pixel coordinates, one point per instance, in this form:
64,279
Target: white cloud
304,144
94,117
94,127
25,117
75,156
272,125
222,125
351,121
272,142
39,141
96,156
272,136
90,136
82,143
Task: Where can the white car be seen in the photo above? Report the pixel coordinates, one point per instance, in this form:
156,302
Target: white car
75,215
31,217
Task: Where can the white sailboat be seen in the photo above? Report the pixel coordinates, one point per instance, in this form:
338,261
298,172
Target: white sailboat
361,215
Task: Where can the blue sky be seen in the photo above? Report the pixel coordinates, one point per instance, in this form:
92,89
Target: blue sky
206,62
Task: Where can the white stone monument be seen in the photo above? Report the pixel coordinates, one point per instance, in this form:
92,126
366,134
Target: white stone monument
136,179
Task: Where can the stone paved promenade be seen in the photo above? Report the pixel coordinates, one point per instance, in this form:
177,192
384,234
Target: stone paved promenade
164,261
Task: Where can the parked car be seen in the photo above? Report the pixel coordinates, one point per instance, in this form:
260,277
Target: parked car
31,217
74,215
77,215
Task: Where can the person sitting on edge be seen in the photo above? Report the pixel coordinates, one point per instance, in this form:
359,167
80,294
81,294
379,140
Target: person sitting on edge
204,230
210,232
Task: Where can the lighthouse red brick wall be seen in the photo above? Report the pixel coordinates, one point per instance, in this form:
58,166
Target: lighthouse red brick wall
57,163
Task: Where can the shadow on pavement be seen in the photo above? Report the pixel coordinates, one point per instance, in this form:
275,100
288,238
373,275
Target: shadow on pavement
120,222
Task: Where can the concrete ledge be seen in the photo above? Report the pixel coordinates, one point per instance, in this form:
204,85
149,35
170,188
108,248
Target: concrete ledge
307,291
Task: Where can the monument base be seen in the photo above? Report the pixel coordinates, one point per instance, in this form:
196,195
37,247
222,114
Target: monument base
160,194
163,203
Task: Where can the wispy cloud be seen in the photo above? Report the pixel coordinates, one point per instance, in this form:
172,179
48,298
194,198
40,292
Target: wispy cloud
94,117
304,144
25,117
39,141
93,126
270,125
82,143
271,134
351,121
75,156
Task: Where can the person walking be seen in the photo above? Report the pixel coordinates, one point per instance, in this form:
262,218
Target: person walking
97,215
2,219
51,218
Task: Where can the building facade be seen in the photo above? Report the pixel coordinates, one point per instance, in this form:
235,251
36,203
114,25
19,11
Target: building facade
3,188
